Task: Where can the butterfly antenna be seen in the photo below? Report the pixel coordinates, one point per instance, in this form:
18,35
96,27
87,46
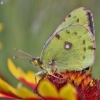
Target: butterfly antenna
28,55
21,57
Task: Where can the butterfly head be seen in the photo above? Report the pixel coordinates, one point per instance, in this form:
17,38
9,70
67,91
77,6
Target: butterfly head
36,61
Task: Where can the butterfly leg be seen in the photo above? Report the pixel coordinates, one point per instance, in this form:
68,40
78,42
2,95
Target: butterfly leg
56,74
38,73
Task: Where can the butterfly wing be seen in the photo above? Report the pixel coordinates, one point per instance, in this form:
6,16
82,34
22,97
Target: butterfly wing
72,48
77,16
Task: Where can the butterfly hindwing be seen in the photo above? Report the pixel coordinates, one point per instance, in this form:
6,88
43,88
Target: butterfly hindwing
72,48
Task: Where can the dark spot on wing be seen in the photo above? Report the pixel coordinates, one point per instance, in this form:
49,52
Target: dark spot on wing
67,32
67,45
75,33
83,41
90,18
84,49
77,20
69,15
91,48
57,36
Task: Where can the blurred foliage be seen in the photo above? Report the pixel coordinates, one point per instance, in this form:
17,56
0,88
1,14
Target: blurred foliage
27,24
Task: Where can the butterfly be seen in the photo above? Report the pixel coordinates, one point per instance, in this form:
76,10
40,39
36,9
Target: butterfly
71,47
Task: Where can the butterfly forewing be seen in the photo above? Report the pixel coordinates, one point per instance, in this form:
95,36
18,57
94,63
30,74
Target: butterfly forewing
77,16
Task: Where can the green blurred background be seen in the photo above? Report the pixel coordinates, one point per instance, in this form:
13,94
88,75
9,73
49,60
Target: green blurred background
29,23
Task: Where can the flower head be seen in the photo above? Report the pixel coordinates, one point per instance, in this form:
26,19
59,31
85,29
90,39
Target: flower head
74,85
87,87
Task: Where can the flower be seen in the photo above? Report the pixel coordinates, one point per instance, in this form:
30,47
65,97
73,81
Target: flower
73,85
43,89
87,87
1,28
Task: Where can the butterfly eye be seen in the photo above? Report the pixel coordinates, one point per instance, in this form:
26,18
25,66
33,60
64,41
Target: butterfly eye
34,62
